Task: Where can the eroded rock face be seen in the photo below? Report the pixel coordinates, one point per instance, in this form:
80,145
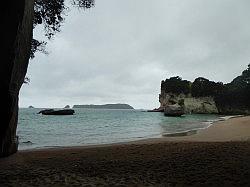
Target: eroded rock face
16,33
201,105
173,110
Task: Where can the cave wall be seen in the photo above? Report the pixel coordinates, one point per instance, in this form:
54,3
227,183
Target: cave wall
16,34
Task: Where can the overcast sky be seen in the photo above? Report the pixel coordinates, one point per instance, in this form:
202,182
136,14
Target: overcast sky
120,50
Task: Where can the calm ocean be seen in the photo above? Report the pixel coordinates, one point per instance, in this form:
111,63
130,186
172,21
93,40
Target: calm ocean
100,126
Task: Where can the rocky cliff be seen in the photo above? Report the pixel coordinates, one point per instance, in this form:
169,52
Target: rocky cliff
201,105
205,96
193,97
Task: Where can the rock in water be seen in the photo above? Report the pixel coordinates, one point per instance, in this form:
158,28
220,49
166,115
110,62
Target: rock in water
67,106
173,110
57,112
160,109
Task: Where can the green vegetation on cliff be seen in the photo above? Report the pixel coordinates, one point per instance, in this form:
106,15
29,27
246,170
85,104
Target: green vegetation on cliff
231,98
202,87
176,85
235,97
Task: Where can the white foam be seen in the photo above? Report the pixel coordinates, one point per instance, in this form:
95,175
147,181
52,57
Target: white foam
229,117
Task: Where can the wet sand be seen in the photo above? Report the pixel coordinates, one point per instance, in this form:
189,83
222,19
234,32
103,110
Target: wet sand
233,129
203,159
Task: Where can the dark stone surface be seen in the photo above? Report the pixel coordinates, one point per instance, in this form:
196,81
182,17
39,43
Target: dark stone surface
160,109
173,110
67,106
57,112
16,35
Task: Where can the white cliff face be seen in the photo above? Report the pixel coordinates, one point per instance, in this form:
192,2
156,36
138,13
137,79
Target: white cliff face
203,105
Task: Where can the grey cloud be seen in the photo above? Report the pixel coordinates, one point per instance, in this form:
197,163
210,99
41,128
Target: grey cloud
119,51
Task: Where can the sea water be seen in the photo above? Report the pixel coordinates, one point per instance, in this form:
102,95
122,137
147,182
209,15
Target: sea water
100,126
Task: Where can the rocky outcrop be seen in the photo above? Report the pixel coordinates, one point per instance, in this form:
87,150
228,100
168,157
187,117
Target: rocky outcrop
160,109
57,112
229,110
67,106
174,110
201,105
16,34
205,96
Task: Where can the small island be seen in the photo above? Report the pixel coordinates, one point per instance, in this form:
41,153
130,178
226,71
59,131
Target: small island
105,106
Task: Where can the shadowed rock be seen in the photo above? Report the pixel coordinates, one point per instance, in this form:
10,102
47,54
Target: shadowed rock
57,112
67,106
160,109
173,110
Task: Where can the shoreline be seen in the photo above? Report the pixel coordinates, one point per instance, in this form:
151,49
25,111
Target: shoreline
153,162
233,129
197,130
230,128
195,135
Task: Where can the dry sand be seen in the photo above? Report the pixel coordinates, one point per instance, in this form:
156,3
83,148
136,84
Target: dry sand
217,156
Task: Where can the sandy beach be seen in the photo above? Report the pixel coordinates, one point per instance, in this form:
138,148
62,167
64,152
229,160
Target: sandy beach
216,156
233,129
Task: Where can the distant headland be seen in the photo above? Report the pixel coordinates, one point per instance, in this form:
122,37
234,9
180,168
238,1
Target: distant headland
105,106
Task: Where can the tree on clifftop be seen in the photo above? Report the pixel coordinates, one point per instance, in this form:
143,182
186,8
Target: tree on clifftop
176,85
202,87
235,98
